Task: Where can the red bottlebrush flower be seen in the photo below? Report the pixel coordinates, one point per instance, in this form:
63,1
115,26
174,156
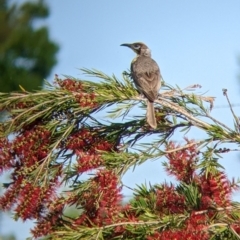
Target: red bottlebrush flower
10,196
104,146
169,201
236,227
46,223
83,139
33,201
6,157
197,222
32,145
102,203
182,163
87,140
215,189
29,202
85,99
87,161
88,147
69,84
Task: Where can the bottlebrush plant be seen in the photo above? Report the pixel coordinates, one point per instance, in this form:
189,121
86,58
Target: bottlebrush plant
52,137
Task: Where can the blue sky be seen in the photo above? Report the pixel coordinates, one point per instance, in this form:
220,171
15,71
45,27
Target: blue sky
194,42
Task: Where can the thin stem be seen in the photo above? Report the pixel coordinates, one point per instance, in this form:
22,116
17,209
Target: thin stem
218,122
235,117
181,110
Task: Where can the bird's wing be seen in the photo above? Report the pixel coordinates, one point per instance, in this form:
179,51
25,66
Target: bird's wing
149,76
146,75
149,84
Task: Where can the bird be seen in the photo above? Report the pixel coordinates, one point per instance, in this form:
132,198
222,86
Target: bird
146,75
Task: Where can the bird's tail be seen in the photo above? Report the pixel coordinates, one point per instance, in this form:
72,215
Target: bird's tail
151,119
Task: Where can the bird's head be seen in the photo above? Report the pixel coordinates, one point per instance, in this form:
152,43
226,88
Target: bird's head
139,48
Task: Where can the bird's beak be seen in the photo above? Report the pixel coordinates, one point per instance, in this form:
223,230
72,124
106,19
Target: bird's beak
126,45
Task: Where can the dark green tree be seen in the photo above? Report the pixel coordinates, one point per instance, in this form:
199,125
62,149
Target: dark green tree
27,54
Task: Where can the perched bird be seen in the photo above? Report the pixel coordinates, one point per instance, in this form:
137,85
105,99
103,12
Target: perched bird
146,76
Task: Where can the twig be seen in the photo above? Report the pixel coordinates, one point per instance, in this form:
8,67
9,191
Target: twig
183,147
236,234
219,123
235,117
220,209
164,102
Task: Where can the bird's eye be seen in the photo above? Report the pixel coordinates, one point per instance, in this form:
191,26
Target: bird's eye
136,46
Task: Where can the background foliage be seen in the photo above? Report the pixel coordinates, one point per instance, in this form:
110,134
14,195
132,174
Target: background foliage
27,54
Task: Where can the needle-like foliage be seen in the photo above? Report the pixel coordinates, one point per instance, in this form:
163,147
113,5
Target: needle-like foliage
70,144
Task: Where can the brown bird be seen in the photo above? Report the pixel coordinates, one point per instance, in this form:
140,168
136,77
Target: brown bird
146,76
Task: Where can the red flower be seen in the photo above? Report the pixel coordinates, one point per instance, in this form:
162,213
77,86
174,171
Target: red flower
169,201
216,190
84,98
182,163
6,157
88,147
102,203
